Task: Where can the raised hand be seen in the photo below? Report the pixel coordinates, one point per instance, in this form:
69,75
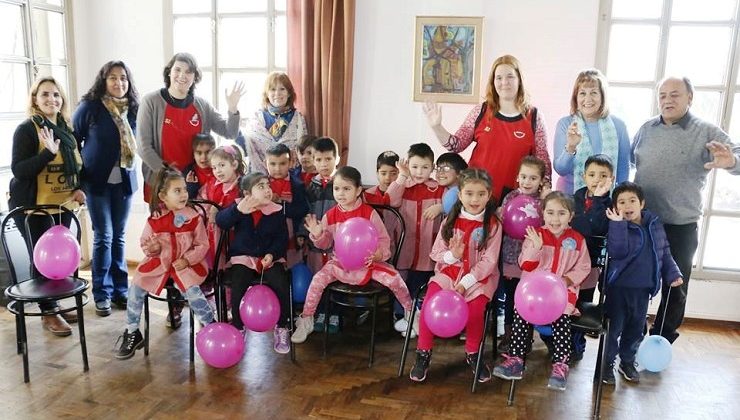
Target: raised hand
574,137
535,237
545,190
248,204
190,177
433,112
313,225
456,246
403,167
46,135
604,187
233,97
614,216
722,156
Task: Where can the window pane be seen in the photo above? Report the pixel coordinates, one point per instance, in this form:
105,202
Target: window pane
191,6
7,128
11,30
57,3
703,10
691,55
204,89
721,245
242,42
193,35
281,42
633,51
726,192
637,8
735,119
13,88
60,74
706,105
633,105
254,83
280,5
225,6
48,35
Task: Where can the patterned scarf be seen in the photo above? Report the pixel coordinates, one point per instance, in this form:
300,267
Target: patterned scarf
609,147
281,122
67,146
118,109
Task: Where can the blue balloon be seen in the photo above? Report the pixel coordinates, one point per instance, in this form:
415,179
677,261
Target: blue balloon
449,199
544,329
301,278
655,353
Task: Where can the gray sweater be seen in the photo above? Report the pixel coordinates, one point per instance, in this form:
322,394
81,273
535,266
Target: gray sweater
670,165
149,122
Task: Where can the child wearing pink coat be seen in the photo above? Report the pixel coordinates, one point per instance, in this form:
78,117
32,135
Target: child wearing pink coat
347,192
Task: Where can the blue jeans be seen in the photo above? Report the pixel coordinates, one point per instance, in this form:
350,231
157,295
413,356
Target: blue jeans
109,213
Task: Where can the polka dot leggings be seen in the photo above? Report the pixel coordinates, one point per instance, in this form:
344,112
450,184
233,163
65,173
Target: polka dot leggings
521,338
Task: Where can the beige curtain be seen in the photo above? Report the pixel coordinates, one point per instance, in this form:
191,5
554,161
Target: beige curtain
320,55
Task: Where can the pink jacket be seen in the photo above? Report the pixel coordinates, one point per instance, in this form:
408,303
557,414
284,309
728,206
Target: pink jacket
482,265
564,255
180,234
333,220
412,199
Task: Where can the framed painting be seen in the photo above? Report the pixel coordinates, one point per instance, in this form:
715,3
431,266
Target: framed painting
447,59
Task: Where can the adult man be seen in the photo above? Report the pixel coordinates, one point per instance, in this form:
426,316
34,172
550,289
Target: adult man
673,153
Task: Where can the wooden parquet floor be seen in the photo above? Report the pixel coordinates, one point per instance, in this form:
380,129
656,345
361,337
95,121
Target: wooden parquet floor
703,381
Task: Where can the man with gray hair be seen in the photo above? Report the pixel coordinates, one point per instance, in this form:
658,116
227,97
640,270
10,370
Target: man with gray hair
673,154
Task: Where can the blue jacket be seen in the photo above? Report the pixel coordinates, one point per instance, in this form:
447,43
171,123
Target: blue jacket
624,242
298,208
270,236
100,146
592,222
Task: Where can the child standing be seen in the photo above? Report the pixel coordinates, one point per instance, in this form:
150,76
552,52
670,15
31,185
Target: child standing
306,169
387,172
416,195
347,190
449,166
466,255
530,180
290,193
199,172
557,248
640,257
175,244
590,220
257,251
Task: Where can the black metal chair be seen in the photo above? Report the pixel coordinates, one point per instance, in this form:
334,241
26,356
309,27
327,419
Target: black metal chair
28,287
490,309
370,296
173,296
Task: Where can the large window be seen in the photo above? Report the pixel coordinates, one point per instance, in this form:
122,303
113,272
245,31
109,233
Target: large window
232,40
33,43
640,41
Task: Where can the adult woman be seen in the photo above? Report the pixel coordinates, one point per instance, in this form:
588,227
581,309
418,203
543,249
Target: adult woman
105,125
505,128
46,167
169,118
276,122
589,130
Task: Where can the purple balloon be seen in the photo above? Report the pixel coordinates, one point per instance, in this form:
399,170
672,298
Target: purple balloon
354,241
259,308
57,253
540,297
446,313
519,213
220,345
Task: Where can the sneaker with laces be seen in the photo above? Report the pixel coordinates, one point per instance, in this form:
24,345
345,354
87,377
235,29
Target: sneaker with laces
421,367
608,377
333,324
629,371
130,343
303,327
511,368
484,375
281,337
558,377
402,324
318,325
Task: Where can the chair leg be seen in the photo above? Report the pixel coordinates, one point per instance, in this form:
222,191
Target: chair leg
291,323
600,370
372,330
23,337
81,327
19,344
481,349
402,363
146,325
192,336
512,389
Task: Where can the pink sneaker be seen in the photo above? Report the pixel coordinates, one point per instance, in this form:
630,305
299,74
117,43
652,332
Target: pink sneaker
282,340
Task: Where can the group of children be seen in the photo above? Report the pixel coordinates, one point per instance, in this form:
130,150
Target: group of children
291,214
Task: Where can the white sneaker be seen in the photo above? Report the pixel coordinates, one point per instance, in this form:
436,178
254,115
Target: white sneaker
401,325
303,327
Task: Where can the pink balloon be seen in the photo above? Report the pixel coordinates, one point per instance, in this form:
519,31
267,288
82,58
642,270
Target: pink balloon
446,313
540,297
220,345
520,212
57,253
354,241
259,308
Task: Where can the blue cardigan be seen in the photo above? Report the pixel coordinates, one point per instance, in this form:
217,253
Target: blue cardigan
626,239
100,146
270,236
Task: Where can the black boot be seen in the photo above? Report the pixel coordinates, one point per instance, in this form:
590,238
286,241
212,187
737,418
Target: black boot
419,371
484,375
131,342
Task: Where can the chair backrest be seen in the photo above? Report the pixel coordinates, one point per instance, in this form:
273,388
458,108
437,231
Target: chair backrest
19,237
603,263
203,207
397,231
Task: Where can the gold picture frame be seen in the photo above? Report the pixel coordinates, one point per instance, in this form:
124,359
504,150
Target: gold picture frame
447,59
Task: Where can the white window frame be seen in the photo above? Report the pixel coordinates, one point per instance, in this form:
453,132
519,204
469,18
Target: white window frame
727,89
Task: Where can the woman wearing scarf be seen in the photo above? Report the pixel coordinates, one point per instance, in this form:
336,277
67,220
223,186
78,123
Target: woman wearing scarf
276,122
587,131
105,125
46,167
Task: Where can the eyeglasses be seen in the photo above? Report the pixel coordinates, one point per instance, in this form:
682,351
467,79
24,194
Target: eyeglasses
444,168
